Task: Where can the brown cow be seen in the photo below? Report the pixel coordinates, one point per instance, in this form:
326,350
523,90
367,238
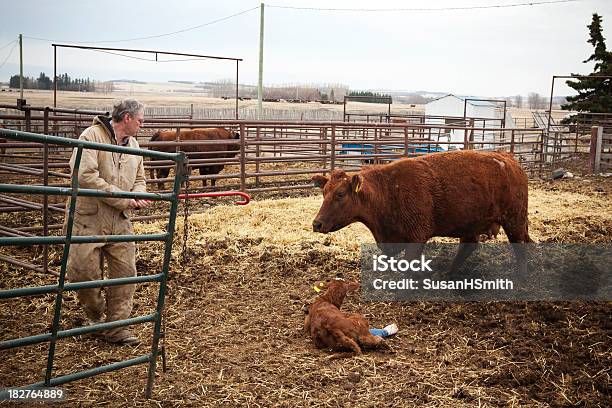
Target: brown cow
226,150
331,328
460,194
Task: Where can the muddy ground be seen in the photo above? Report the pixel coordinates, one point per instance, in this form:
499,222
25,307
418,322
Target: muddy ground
234,322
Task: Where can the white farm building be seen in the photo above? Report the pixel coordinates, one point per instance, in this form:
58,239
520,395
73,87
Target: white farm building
448,110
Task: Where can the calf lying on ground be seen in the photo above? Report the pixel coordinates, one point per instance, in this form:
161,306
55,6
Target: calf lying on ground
331,328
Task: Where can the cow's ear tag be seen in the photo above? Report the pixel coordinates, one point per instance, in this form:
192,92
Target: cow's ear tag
317,288
359,184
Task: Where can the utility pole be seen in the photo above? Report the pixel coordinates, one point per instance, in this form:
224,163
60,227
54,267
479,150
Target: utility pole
260,81
20,66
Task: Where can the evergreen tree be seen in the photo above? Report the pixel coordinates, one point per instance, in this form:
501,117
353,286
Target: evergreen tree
594,94
14,81
369,96
43,81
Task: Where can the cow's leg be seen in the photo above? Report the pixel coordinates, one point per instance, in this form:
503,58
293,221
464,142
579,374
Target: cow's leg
467,245
344,341
203,172
414,250
162,173
215,170
372,342
518,235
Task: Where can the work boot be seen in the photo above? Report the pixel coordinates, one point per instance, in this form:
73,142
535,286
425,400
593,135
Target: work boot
122,337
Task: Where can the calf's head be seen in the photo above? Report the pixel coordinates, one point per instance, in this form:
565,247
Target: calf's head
340,201
336,291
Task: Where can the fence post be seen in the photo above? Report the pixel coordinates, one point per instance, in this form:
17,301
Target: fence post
28,120
242,159
324,146
512,141
333,148
595,151
45,213
257,147
376,150
177,138
471,139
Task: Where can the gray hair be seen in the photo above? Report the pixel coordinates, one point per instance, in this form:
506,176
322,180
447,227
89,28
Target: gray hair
124,106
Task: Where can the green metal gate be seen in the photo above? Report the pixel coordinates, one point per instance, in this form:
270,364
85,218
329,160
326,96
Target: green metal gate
74,191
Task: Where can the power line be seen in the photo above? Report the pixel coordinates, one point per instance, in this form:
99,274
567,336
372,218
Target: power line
4,46
146,59
530,3
9,55
125,56
151,36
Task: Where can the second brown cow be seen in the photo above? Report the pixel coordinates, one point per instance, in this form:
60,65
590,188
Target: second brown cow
218,150
462,194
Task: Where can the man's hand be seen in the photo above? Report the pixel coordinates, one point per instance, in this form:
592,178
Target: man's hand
139,203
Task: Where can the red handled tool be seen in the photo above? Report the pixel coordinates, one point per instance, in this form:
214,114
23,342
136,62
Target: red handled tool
245,196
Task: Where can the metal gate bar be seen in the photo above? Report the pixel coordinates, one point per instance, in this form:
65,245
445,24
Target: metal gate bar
74,191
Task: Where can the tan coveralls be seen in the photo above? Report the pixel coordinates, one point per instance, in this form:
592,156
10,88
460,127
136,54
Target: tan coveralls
105,216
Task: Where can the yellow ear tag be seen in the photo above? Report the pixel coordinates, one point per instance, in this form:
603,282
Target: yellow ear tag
317,288
358,188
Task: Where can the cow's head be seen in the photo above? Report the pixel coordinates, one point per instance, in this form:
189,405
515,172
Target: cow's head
233,149
341,201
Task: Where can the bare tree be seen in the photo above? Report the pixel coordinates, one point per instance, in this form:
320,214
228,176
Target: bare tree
535,100
518,101
105,87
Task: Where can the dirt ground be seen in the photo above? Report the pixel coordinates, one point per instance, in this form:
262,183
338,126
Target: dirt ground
234,322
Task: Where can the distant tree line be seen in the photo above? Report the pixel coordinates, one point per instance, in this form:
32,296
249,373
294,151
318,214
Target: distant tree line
371,97
226,88
64,83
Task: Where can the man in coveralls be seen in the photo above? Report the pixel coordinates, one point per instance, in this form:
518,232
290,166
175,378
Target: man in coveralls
108,171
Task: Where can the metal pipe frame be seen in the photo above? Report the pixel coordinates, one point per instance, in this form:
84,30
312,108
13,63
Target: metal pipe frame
389,100
503,119
136,50
74,191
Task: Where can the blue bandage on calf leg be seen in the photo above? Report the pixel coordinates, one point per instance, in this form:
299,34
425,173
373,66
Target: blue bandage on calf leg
379,332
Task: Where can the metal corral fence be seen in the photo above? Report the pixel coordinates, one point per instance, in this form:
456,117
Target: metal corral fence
73,191
269,156
601,147
245,113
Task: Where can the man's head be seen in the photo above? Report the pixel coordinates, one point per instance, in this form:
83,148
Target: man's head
128,117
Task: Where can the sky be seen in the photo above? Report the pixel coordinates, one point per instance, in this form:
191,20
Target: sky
483,51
